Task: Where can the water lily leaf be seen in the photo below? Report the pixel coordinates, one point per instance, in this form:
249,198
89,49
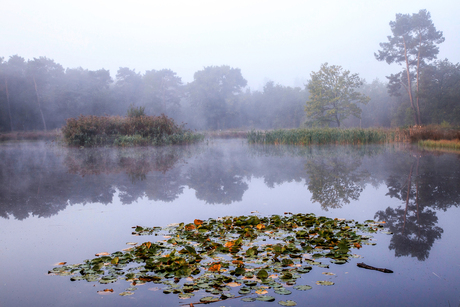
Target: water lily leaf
126,293
244,290
214,267
282,291
248,299
233,284
209,299
328,273
266,298
303,287
262,291
105,291
324,283
262,274
184,296
287,303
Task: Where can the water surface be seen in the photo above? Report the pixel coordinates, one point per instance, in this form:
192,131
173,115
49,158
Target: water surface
66,204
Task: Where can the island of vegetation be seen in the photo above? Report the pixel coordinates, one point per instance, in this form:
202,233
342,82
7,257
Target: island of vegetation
136,129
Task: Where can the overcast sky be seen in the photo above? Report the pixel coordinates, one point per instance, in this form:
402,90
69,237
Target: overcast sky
281,41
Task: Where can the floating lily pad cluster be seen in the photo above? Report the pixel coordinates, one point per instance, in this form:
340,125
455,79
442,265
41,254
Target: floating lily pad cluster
249,253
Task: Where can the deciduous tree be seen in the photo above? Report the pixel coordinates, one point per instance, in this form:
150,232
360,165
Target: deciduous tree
332,96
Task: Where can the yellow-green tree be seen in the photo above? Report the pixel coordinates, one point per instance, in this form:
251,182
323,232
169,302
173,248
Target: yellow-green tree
333,96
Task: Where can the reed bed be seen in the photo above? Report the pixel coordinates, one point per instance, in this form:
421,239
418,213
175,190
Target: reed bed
126,131
327,136
441,144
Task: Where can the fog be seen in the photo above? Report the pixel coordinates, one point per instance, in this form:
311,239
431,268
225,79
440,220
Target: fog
267,40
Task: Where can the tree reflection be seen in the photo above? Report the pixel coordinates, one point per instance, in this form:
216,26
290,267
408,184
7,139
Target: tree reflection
335,180
217,179
414,224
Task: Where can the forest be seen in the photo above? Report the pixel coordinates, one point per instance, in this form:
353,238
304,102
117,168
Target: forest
40,94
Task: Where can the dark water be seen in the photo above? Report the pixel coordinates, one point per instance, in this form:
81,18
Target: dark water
59,204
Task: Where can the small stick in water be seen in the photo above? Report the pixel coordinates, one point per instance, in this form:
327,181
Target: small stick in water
365,266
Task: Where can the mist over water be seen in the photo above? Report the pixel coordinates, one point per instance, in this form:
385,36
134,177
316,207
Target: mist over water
66,204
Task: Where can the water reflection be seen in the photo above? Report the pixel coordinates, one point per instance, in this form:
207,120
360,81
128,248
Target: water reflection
42,180
423,184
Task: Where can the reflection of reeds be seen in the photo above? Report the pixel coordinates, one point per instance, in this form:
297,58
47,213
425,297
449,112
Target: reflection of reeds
441,144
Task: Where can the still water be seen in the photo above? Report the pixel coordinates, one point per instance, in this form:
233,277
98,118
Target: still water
66,204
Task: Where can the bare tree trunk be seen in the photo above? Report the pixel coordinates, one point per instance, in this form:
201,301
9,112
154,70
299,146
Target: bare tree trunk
8,102
409,85
39,106
418,77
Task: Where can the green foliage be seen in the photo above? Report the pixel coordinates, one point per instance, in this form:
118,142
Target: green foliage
332,96
135,112
413,43
125,131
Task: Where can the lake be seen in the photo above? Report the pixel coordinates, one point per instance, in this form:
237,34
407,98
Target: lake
61,204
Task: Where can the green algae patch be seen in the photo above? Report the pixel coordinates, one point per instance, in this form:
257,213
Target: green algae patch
246,255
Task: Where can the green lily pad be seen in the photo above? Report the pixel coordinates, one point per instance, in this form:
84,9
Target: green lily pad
184,296
282,291
303,287
244,290
248,299
265,298
287,303
209,299
126,293
324,283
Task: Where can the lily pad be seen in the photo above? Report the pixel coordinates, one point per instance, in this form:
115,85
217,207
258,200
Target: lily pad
282,291
303,287
287,303
248,299
324,283
209,299
126,293
266,298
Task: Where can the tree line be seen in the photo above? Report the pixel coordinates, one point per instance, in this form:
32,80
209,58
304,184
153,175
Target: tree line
39,94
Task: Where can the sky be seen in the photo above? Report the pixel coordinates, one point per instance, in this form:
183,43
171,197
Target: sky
280,41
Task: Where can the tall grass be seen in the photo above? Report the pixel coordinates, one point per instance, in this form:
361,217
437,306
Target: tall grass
126,131
304,136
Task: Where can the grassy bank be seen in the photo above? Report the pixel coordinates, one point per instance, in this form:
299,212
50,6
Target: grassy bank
126,131
351,136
